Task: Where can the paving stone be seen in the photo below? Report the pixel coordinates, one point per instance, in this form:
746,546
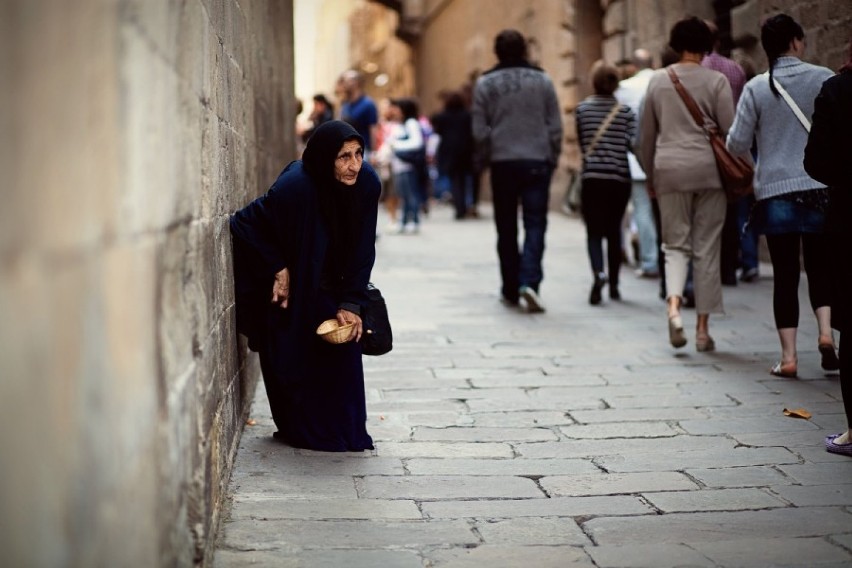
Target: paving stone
305,558
297,486
648,556
251,507
690,459
713,500
324,464
554,507
822,474
445,450
788,440
511,557
438,487
535,380
521,419
529,531
420,418
606,431
448,394
306,534
763,424
621,415
685,528
677,400
474,434
615,483
516,466
774,552
586,448
749,476
839,493
523,402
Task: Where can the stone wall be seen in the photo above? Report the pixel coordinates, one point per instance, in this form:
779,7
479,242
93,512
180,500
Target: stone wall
130,130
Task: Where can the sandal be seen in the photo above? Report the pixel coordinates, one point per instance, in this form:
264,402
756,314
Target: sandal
842,449
676,335
786,370
830,362
704,343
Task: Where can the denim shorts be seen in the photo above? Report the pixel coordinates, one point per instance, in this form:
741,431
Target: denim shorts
775,216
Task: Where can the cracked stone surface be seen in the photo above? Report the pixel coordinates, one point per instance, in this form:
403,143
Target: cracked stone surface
577,437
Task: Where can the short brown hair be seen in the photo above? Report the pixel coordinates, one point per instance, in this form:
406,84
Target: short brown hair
604,78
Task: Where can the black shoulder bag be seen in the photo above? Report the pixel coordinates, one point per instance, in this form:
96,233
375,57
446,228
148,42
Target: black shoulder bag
378,337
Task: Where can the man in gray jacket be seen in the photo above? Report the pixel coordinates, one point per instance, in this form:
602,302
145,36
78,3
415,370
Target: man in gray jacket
518,127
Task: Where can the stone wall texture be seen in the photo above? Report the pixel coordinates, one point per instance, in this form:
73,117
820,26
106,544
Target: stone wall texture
130,130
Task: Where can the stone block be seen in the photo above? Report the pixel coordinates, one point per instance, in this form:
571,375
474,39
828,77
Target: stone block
444,487
607,431
838,493
774,552
615,484
276,508
745,23
352,558
481,466
647,556
553,507
273,483
532,532
444,450
614,21
756,476
474,434
506,556
713,500
701,459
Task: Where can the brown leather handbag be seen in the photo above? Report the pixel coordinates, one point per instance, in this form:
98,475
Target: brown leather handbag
737,173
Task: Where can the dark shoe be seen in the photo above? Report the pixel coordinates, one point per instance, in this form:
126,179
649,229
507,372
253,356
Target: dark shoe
614,294
597,286
830,362
749,275
688,300
729,280
530,296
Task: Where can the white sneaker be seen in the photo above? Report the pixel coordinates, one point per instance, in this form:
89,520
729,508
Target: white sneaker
411,228
533,302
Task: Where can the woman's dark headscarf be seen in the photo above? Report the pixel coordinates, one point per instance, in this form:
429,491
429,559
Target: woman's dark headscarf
338,202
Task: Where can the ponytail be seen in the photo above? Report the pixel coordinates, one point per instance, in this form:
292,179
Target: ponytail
775,35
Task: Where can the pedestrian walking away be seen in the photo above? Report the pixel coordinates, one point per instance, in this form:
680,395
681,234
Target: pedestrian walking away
518,126
775,110
682,170
827,161
605,129
309,245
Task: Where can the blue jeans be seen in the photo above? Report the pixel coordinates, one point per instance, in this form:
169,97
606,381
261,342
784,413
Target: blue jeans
526,182
643,216
407,186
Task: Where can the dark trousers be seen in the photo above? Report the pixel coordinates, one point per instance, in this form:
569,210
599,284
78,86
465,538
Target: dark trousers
526,182
729,258
661,256
784,250
604,202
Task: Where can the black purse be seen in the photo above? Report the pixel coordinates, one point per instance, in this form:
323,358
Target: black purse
378,337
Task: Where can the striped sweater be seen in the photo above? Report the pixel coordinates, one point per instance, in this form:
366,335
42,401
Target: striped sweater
609,158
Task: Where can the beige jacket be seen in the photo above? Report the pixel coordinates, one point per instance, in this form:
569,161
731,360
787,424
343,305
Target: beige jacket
673,150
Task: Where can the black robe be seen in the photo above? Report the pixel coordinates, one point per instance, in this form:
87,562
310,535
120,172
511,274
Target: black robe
324,233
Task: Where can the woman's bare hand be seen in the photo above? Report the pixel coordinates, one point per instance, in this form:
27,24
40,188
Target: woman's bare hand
281,288
345,317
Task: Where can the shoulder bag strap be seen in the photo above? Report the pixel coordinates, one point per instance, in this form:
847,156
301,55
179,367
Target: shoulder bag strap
691,105
601,129
793,106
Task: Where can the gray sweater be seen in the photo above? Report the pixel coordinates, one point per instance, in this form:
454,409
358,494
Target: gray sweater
781,138
516,115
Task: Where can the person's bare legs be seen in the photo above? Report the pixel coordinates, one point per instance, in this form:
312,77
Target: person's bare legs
787,336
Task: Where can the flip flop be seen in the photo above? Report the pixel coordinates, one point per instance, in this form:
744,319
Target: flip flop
786,370
842,449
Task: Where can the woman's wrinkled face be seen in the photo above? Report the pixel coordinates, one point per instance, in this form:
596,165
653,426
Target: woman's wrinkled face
348,162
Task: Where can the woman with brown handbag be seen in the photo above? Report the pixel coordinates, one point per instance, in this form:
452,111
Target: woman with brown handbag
682,171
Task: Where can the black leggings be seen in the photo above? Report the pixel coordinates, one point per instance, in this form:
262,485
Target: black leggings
603,203
784,250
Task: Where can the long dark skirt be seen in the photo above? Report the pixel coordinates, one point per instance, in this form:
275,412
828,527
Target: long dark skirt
326,410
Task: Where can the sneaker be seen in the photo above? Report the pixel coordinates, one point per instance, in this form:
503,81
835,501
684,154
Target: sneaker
534,305
411,228
749,275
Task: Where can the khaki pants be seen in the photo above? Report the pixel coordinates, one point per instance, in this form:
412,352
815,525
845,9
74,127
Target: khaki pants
692,229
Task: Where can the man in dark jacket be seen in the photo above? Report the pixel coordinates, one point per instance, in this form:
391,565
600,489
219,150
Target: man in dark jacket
518,126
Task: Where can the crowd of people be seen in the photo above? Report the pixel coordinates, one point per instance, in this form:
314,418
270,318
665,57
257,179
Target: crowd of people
645,157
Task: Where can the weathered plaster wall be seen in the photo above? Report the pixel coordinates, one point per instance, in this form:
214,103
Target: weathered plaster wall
130,130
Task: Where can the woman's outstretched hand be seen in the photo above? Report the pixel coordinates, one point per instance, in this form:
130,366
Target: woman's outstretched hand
281,288
344,317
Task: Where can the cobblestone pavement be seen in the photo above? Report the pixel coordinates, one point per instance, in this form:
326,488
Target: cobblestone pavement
577,437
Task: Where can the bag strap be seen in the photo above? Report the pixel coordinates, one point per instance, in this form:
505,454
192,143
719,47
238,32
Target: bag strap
793,106
601,129
691,105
